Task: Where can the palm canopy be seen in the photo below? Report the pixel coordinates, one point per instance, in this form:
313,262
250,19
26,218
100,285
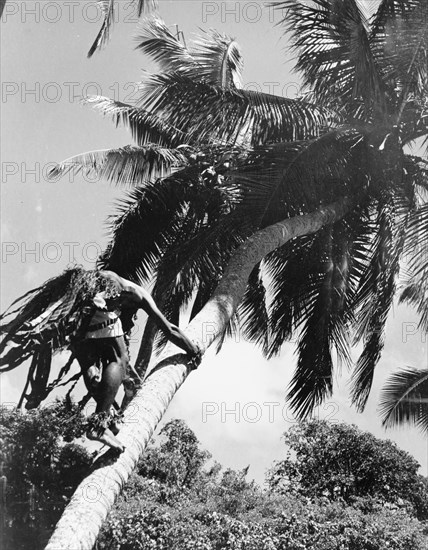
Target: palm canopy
239,161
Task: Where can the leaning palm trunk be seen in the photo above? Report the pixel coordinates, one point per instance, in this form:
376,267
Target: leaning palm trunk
81,521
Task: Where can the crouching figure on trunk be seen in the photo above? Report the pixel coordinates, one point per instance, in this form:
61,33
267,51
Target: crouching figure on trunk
102,352
89,312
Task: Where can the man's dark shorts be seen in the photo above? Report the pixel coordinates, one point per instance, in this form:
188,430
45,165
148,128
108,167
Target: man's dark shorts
100,352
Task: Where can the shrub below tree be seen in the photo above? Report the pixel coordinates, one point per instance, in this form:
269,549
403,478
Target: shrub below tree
338,488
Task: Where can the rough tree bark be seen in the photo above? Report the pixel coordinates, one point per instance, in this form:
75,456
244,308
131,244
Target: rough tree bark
81,521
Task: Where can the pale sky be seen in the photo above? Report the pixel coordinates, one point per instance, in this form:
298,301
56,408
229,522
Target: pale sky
235,401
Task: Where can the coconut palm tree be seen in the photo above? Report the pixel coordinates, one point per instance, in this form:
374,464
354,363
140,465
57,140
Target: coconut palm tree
266,194
368,81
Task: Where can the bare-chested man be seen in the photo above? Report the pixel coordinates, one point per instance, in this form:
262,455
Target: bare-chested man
102,352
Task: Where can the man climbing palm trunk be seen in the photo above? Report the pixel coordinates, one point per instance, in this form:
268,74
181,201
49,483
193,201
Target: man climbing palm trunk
92,312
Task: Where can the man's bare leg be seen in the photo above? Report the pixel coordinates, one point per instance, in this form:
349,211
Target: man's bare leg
106,393
130,387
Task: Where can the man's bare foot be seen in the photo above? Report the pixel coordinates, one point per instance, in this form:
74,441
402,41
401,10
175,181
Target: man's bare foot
107,438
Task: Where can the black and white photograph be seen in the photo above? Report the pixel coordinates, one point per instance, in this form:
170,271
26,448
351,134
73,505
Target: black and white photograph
214,275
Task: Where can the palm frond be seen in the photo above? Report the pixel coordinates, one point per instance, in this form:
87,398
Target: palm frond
287,287
144,126
218,59
129,165
47,309
286,179
404,399
376,292
194,255
414,122
211,113
108,7
137,230
253,312
154,215
417,240
314,281
334,54
320,306
145,5
156,40
391,9
212,57
415,291
203,294
231,331
400,43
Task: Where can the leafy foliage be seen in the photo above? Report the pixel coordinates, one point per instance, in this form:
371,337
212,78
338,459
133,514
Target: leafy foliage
215,114
340,462
131,166
178,460
317,528
335,57
180,499
224,510
211,57
41,467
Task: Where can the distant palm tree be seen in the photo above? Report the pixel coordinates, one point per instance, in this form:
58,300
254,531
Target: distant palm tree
318,198
404,398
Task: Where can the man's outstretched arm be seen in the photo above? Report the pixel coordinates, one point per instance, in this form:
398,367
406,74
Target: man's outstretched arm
172,332
133,295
